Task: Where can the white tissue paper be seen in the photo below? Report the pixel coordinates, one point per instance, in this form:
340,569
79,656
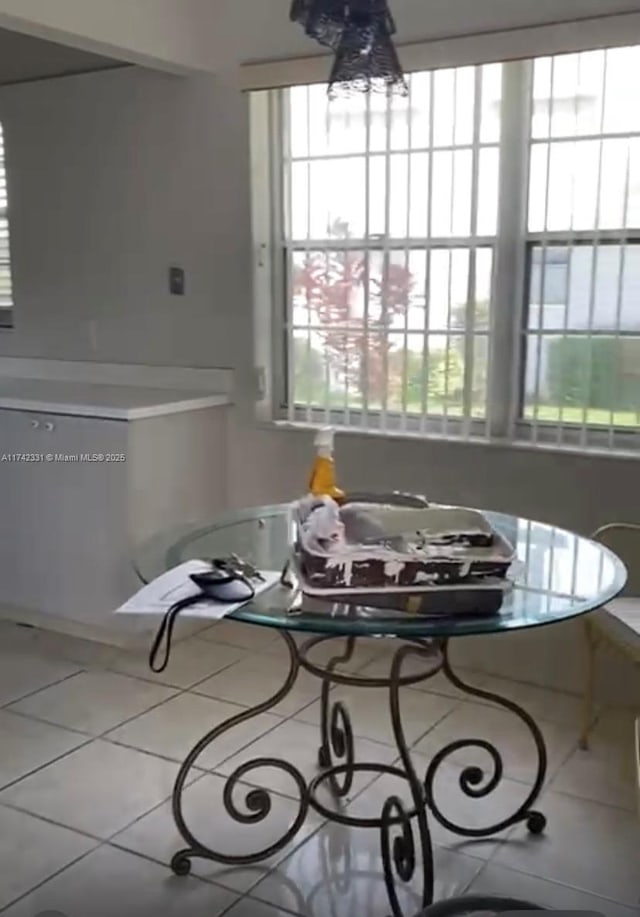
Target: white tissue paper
157,597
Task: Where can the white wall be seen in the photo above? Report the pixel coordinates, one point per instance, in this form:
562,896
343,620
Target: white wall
112,177
171,34
246,30
215,35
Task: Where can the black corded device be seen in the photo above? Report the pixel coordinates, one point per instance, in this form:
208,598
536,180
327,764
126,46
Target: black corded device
227,582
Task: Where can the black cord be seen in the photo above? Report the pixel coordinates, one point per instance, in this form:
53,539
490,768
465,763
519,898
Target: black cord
166,629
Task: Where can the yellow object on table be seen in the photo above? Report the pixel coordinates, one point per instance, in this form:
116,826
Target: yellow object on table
322,482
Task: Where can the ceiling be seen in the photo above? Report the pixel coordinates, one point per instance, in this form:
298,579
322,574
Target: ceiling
23,58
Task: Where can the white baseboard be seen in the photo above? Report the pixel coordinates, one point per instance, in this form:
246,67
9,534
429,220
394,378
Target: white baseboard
122,632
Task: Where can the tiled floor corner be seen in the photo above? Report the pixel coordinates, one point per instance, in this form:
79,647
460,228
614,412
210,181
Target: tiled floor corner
90,745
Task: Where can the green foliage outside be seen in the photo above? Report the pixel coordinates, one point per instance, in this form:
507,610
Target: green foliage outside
595,372
595,380
309,373
437,364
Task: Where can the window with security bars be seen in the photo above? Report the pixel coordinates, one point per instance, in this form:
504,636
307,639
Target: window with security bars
6,290
463,261
582,331
389,236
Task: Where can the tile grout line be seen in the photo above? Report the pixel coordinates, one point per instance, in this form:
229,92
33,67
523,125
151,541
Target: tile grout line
177,692
156,681
112,842
51,821
36,770
50,878
573,888
53,684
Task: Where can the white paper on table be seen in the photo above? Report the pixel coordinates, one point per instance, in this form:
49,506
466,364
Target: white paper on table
157,597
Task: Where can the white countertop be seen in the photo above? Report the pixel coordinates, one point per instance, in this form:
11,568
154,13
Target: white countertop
114,402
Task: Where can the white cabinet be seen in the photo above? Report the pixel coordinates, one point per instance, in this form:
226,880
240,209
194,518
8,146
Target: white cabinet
69,522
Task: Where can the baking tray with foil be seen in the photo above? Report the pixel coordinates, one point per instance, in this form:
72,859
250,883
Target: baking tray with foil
468,579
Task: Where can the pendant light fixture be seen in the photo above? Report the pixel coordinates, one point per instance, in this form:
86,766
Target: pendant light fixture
359,32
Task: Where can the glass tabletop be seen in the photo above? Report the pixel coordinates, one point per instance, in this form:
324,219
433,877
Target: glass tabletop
557,575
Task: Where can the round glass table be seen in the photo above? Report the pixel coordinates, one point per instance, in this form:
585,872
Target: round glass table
557,576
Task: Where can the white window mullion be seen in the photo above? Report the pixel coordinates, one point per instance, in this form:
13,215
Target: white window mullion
286,235
268,207
470,312
507,299
570,245
364,363
384,330
543,262
6,284
452,199
621,275
427,266
584,432
309,198
405,351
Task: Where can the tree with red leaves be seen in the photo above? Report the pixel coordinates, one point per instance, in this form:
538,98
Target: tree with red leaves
332,286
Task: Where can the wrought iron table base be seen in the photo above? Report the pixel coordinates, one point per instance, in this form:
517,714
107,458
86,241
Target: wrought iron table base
402,855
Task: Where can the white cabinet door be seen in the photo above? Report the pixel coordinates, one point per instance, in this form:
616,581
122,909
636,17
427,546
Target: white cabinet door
63,546
19,442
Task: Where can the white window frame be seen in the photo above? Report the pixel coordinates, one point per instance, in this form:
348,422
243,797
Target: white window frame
505,420
6,312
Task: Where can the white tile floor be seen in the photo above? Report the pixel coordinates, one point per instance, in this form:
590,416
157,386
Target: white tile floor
90,742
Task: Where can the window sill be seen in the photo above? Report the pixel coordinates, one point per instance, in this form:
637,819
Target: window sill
515,445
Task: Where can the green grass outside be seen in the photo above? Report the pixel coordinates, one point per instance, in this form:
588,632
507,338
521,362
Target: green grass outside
593,417
544,414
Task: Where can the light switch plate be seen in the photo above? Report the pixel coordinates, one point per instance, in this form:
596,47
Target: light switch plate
177,281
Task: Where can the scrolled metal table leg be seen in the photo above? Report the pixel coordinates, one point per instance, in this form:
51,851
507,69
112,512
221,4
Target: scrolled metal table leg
401,856
257,801
336,731
472,778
